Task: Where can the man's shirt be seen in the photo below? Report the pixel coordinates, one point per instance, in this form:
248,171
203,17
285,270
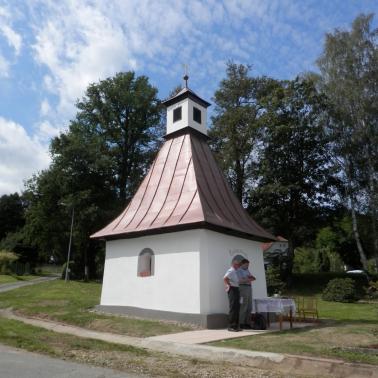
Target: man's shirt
242,275
232,276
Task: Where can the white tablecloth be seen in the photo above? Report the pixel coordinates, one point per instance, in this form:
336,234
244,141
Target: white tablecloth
272,304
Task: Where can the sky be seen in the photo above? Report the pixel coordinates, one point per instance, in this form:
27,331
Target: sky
51,50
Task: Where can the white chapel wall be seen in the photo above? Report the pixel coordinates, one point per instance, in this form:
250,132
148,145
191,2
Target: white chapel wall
175,283
217,251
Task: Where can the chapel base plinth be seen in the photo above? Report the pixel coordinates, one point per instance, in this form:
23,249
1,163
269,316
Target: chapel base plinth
209,321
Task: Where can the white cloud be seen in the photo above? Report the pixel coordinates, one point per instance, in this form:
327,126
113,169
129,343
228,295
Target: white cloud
46,131
4,67
21,156
45,108
79,45
83,41
14,39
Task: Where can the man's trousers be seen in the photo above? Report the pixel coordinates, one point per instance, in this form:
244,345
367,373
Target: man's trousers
246,304
234,302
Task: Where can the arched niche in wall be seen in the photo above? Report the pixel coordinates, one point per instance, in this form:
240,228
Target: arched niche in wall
146,263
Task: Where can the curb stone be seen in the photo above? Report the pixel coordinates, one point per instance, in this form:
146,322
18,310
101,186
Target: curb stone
288,364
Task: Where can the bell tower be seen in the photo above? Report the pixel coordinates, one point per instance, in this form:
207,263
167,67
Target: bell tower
186,109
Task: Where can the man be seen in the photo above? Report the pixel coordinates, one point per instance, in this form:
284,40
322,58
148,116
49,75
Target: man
231,282
245,278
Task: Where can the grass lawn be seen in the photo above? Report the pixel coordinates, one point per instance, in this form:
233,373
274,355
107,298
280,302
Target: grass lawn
124,358
6,278
72,302
345,329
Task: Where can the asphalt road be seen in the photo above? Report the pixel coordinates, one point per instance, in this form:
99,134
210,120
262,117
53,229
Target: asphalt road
15,363
16,285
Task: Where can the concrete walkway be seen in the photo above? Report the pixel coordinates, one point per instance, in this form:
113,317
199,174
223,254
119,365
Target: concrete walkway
204,336
289,365
16,285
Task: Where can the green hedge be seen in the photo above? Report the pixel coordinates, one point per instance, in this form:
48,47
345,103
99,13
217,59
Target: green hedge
314,283
341,290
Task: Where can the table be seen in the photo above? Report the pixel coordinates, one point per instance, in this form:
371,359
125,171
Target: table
276,305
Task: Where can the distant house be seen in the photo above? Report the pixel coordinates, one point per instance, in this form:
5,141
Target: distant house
275,251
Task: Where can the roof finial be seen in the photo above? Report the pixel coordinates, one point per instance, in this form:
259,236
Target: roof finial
186,77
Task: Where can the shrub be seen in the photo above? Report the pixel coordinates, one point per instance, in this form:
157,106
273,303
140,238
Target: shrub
372,290
316,260
6,260
340,290
372,267
304,260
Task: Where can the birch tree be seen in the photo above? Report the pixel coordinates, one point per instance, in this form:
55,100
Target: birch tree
349,72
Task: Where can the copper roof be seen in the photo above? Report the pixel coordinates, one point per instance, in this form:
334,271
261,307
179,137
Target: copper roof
184,189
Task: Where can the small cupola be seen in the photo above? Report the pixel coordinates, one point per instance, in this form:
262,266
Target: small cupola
186,109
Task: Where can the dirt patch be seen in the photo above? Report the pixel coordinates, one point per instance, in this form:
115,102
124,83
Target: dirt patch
54,302
103,325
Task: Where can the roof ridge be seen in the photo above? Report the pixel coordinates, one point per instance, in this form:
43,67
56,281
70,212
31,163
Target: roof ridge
144,193
157,187
181,189
224,183
173,175
198,185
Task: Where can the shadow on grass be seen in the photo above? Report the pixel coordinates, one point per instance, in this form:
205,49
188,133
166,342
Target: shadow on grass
20,278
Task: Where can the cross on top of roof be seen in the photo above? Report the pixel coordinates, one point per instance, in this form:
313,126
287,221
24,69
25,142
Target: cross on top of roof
186,76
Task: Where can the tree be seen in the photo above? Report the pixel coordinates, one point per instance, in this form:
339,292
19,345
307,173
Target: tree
349,72
337,238
95,167
294,184
79,178
234,132
11,213
125,111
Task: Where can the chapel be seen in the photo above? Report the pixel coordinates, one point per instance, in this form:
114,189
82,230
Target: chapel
167,252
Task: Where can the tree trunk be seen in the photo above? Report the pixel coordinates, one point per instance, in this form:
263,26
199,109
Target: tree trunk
356,233
350,192
239,180
86,269
373,202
